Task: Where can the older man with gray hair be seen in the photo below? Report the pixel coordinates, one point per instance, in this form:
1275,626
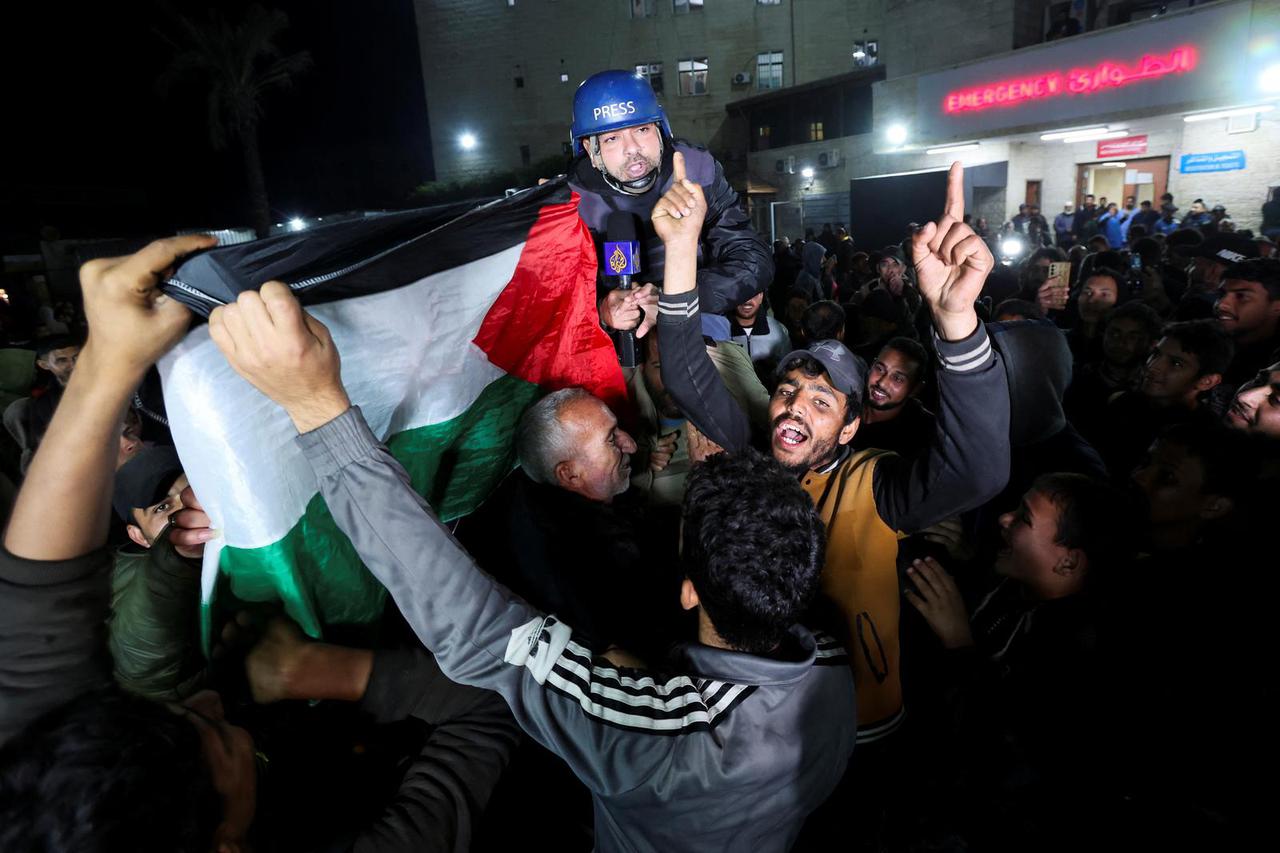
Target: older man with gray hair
561,533
570,439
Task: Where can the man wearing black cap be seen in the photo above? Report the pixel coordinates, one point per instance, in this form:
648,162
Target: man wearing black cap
865,498
155,593
1209,265
1248,307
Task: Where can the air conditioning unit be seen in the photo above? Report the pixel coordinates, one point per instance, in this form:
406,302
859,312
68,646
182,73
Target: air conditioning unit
791,165
742,78
829,159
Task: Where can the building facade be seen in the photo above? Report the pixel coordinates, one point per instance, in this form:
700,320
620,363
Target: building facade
817,108
1126,91
500,74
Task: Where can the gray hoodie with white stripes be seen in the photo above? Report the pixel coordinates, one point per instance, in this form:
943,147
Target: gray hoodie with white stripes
732,754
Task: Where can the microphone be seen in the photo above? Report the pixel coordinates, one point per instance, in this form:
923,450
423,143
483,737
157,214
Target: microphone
622,261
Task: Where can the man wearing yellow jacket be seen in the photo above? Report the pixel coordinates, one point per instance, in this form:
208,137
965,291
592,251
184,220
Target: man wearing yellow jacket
868,499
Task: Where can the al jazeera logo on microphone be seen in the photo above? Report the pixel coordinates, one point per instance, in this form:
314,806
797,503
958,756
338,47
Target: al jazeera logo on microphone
622,258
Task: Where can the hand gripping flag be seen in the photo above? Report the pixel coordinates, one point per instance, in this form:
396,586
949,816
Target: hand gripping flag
450,322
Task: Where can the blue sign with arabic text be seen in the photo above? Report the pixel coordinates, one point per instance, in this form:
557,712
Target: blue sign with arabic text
1216,161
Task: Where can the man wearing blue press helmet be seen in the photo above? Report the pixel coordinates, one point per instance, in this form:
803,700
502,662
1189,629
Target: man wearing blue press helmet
623,147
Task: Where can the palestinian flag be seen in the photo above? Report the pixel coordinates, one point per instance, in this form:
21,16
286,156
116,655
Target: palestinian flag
451,321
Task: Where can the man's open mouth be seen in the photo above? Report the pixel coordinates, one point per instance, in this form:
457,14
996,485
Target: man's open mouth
878,395
791,434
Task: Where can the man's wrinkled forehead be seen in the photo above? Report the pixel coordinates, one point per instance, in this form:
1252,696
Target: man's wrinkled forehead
820,384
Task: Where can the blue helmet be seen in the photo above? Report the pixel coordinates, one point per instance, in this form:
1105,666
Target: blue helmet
612,100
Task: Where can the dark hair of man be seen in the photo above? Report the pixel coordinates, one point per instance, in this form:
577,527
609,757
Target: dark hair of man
107,771
1205,339
1115,275
48,344
1137,231
1183,238
822,321
1093,517
812,368
1052,253
1220,452
915,351
1264,271
752,546
1022,307
1148,249
1139,312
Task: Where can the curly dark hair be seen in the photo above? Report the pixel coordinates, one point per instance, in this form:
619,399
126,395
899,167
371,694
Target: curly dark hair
753,547
1206,340
107,771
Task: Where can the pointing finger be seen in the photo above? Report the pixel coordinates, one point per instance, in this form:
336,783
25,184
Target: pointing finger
677,164
955,192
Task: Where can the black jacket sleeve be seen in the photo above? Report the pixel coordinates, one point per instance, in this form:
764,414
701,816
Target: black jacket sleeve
968,462
53,646
448,783
737,264
691,377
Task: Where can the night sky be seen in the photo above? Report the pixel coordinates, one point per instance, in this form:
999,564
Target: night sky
92,149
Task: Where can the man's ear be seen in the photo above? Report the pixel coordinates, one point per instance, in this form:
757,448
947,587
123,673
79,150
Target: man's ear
43,364
1208,382
688,595
136,536
1216,506
1072,563
849,430
566,474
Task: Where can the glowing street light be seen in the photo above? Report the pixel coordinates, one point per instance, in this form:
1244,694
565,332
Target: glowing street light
467,141
297,224
1269,79
896,134
806,172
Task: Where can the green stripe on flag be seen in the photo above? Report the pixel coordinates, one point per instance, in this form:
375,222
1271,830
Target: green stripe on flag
315,571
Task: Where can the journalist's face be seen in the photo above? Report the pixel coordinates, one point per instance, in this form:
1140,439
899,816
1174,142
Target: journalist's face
631,153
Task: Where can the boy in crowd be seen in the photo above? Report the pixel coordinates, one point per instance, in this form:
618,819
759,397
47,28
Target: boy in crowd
1187,363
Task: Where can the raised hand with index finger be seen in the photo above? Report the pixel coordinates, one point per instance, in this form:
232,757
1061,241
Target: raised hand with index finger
951,262
679,214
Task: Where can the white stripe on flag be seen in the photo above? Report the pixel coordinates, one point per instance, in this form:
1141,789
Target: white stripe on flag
407,361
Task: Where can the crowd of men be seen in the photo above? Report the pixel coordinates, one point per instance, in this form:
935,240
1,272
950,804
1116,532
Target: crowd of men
899,549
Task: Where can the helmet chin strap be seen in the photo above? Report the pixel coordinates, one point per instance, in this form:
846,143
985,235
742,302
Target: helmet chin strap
636,187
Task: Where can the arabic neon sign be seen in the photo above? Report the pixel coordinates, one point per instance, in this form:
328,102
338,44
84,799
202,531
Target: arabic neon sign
1085,80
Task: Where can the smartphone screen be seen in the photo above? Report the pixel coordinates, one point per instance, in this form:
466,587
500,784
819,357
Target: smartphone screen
1135,261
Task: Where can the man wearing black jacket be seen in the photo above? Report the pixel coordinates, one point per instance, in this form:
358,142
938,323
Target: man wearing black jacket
624,147
867,499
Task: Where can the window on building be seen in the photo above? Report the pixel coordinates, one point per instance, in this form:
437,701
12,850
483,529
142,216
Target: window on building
643,8
519,82
564,78
525,156
651,71
768,2
684,7
764,134
693,76
815,131
566,148
769,70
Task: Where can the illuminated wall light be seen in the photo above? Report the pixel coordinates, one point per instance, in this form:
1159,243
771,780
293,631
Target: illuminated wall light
297,224
806,172
1236,111
1070,131
1269,79
896,134
467,141
948,149
1097,134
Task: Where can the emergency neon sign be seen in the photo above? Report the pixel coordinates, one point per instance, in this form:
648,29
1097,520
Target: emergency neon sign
1075,81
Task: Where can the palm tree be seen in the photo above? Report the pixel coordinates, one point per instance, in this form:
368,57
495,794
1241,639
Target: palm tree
239,63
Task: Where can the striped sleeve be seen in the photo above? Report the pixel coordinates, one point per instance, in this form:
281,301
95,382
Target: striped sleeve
965,356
